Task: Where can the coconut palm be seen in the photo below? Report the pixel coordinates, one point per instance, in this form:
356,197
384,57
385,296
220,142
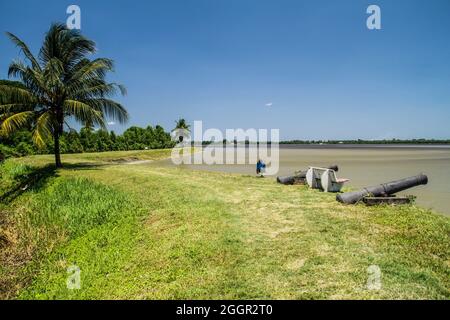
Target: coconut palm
180,126
61,83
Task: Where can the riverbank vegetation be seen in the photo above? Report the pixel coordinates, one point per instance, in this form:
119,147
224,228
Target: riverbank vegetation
20,143
147,231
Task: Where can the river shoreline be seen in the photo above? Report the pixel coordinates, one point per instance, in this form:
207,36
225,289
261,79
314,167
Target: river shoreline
364,165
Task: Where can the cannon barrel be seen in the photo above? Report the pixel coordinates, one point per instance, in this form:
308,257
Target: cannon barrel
300,175
288,179
333,167
382,189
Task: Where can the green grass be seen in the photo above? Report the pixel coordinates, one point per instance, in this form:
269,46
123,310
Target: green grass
148,232
95,227
103,157
11,173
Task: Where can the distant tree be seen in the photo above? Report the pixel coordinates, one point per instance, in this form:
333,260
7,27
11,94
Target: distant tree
20,143
113,138
135,138
73,142
162,138
87,139
103,141
181,124
89,125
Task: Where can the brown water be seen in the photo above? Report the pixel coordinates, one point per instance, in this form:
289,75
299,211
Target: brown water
369,165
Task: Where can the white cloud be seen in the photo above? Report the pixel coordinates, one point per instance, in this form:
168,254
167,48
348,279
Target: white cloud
111,123
269,104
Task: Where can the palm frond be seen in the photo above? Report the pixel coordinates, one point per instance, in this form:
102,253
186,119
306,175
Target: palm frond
87,69
109,108
26,51
13,94
69,46
97,88
43,131
53,74
16,121
84,113
32,79
15,107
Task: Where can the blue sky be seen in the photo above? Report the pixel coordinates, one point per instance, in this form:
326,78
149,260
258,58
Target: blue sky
222,61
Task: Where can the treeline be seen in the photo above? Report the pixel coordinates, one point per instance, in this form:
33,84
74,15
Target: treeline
360,141
89,140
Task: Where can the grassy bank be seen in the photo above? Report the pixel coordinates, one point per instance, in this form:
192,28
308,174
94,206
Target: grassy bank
147,232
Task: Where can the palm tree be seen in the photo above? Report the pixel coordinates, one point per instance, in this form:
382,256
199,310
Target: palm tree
59,84
181,125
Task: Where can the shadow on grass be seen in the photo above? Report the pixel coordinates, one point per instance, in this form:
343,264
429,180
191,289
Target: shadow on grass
84,166
34,180
38,178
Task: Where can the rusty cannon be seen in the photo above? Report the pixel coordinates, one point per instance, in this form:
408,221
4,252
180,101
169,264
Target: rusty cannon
384,190
299,177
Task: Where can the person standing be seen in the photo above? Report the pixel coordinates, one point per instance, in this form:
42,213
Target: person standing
260,166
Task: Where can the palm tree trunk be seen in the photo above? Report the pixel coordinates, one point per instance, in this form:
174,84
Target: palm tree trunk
57,151
57,133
